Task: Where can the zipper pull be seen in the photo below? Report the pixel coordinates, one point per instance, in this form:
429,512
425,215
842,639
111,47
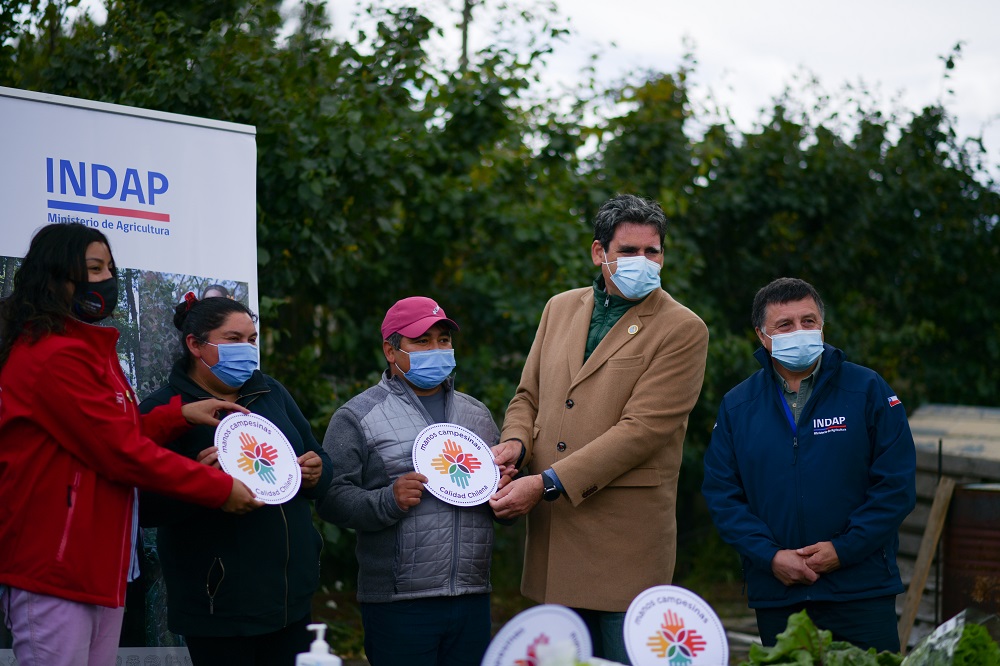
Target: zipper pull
211,606
607,299
795,449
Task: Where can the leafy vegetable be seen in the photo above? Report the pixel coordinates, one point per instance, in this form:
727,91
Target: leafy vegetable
802,643
957,642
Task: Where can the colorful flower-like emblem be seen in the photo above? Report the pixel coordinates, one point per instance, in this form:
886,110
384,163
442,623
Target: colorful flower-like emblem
257,458
456,464
675,643
531,659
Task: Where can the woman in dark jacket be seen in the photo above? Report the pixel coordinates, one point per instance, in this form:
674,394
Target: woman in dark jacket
239,588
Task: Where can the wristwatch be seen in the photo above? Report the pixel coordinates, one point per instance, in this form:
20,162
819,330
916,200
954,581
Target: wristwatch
550,491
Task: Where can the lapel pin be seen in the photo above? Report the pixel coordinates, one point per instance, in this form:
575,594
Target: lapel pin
633,329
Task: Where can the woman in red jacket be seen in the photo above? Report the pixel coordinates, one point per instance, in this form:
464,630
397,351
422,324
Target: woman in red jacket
73,449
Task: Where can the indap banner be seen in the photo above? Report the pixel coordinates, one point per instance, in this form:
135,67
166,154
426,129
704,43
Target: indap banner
172,193
175,195
176,198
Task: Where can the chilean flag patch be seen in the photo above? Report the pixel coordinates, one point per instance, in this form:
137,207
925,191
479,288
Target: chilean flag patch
893,401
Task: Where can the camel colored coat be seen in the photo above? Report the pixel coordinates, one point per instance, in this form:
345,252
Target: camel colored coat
612,429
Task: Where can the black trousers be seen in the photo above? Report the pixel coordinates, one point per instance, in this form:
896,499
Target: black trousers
863,622
275,649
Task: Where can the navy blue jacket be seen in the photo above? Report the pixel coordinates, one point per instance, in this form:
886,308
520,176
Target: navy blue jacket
846,474
237,575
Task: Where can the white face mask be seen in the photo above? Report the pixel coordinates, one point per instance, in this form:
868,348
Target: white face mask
797,350
635,277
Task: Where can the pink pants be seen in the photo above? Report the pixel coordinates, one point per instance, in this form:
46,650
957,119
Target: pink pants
49,631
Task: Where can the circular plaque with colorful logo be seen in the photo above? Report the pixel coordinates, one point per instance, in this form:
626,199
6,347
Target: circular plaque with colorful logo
458,464
255,451
667,624
548,631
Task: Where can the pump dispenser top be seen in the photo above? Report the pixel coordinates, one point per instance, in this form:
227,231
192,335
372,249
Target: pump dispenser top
319,650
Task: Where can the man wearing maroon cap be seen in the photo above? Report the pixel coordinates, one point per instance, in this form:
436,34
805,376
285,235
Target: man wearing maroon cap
423,578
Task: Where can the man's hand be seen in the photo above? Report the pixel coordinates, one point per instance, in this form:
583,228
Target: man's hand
312,468
408,489
820,557
790,568
517,497
241,499
506,454
207,412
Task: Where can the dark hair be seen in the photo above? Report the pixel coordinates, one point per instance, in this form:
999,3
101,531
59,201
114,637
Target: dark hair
394,340
627,208
40,303
201,317
214,287
782,290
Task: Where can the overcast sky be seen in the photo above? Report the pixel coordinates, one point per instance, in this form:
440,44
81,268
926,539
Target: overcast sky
748,50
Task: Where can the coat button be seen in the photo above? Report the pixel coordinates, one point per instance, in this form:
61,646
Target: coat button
569,404
561,446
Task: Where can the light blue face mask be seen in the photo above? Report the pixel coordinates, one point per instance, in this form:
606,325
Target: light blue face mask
429,368
797,350
635,277
237,361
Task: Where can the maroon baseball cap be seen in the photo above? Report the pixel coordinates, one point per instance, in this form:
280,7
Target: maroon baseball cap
413,316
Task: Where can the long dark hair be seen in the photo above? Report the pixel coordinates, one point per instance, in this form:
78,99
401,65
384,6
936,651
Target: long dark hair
40,303
201,317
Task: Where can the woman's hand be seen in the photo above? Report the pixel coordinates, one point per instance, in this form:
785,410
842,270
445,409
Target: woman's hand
207,412
241,499
312,468
210,457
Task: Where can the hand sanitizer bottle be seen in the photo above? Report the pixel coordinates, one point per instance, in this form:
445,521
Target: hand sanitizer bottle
319,651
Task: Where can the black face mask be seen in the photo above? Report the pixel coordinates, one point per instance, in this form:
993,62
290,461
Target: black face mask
94,301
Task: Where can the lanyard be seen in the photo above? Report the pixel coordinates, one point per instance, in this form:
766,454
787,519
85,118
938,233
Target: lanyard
788,410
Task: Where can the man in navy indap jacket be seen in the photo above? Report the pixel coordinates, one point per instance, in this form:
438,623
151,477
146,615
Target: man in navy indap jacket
810,472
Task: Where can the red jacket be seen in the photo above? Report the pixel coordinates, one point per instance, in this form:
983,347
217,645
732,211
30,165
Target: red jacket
71,451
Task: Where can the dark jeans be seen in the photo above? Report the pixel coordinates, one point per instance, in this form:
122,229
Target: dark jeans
863,622
275,649
438,631
607,633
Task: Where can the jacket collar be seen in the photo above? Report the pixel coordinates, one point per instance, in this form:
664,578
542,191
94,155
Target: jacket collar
397,386
628,327
183,384
104,338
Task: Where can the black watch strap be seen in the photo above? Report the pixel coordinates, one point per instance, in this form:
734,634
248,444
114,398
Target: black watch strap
550,491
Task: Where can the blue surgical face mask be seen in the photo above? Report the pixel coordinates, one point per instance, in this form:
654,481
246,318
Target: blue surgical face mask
237,361
797,350
635,277
429,368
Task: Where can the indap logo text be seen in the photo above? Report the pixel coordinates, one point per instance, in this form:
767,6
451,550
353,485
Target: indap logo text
824,426
103,182
72,180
